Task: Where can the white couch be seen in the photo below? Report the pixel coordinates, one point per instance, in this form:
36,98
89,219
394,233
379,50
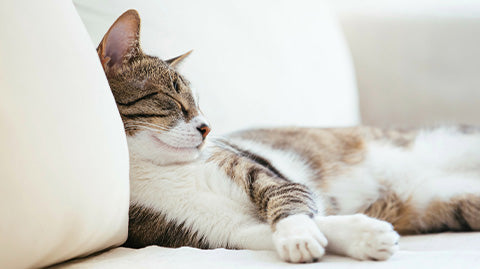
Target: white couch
64,161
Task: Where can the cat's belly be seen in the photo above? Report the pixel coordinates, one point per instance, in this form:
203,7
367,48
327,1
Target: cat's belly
439,165
352,168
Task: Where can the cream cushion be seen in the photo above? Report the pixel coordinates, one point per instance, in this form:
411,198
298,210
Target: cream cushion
63,158
255,63
439,251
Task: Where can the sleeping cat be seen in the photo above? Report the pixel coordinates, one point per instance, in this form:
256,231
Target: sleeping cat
298,191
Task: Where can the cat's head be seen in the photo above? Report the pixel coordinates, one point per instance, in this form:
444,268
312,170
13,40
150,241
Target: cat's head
162,119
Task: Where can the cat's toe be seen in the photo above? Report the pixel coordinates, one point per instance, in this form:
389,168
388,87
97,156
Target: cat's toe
382,247
374,240
297,239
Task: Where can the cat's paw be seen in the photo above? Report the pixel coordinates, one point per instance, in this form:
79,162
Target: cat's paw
372,239
298,239
359,236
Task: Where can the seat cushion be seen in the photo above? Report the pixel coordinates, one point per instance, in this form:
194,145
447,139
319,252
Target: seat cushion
445,250
63,159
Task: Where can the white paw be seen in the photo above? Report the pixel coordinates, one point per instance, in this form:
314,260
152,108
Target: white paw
298,239
360,237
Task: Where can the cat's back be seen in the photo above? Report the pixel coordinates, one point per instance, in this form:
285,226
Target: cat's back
324,149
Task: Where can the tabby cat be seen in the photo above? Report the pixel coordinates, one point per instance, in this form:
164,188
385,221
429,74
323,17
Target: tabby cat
298,191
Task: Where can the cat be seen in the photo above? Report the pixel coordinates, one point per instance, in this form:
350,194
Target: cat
297,191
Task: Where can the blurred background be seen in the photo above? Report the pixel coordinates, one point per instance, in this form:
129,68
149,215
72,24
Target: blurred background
390,63
416,62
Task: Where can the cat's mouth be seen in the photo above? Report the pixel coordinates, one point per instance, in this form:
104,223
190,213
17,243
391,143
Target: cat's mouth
167,146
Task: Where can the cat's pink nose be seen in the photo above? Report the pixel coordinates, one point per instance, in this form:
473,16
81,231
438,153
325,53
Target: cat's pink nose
204,130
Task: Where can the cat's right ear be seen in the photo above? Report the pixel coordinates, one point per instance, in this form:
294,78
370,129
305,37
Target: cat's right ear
121,42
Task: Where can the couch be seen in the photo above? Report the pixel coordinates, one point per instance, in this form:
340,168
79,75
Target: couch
64,158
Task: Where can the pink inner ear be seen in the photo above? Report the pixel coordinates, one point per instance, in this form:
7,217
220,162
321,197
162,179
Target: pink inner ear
120,41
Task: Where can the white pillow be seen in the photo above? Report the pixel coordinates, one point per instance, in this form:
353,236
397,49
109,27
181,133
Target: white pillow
255,63
63,158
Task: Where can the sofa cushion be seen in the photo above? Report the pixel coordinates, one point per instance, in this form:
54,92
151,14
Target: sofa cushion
63,158
444,250
255,63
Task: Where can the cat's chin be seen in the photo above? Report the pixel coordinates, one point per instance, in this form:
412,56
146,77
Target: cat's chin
154,149
169,147
169,158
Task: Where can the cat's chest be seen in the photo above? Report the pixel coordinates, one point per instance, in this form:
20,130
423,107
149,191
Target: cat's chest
182,187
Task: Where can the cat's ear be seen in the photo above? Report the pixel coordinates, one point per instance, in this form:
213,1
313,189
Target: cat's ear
177,60
121,42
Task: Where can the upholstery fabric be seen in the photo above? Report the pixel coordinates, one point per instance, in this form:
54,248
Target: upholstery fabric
63,159
446,250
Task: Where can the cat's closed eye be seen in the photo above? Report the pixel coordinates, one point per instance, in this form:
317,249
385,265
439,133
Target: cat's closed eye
182,108
176,86
178,103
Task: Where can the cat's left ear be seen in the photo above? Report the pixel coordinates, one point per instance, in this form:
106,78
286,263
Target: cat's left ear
177,60
121,42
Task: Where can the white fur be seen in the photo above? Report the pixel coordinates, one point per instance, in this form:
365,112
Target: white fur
441,164
359,236
204,198
353,189
175,145
298,239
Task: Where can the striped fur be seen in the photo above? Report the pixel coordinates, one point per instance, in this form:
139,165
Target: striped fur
275,196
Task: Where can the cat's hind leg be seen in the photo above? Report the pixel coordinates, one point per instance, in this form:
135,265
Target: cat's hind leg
468,207
424,213
459,213
359,236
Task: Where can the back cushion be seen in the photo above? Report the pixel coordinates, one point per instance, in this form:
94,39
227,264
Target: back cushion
63,158
255,63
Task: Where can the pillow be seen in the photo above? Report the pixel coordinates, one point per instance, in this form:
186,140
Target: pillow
255,63
63,159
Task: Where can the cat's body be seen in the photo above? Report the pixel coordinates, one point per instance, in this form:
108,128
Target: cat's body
287,189
417,181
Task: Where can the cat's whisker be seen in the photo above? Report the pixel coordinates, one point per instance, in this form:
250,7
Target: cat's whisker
172,133
151,124
139,123
159,127
142,127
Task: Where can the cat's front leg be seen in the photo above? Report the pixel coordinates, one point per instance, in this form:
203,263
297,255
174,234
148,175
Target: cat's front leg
287,207
297,238
359,236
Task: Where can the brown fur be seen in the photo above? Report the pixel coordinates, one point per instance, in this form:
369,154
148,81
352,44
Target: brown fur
392,209
461,213
329,151
149,227
145,88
